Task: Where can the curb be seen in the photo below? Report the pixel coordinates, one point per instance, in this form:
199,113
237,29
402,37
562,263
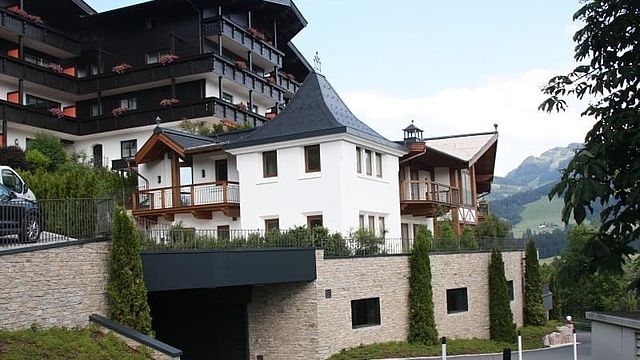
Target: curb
463,356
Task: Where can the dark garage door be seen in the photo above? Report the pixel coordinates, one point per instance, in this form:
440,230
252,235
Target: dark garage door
204,324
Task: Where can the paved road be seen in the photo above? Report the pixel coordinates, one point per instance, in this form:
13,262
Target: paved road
563,353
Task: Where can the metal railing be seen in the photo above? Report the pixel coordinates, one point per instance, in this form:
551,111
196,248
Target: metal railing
24,222
211,193
158,237
428,191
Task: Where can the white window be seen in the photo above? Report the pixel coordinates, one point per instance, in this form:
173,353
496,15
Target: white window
378,165
130,103
153,57
359,159
467,195
368,161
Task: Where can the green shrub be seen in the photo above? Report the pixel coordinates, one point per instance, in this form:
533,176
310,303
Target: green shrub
534,313
13,156
422,324
501,326
126,288
367,243
447,239
493,227
468,239
37,160
50,146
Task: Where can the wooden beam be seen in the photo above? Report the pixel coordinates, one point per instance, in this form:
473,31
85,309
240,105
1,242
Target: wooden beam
203,215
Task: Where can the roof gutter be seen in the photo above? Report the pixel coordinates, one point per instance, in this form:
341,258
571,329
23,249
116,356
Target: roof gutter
414,156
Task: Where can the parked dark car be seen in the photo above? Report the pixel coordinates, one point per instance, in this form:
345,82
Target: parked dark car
19,216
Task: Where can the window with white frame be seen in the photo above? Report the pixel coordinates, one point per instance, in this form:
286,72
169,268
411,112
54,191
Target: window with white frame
374,223
129,103
368,162
467,193
153,57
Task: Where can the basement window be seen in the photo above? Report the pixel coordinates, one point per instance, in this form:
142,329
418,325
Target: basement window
457,300
365,312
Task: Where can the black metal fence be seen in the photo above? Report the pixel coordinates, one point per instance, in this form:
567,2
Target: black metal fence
24,222
164,238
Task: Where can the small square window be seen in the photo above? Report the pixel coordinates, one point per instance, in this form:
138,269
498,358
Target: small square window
130,103
314,221
223,232
510,290
129,148
312,158
365,312
270,164
457,300
272,224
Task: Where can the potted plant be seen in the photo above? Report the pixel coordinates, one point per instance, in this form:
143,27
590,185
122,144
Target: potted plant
168,59
169,102
121,68
57,112
56,68
256,34
119,111
25,15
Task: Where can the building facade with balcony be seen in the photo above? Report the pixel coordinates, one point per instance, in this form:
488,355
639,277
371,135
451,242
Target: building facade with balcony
102,81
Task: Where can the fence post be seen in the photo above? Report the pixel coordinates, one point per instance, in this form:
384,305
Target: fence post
444,347
575,344
519,345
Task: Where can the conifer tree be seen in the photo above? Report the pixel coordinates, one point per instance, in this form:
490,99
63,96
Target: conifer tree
422,324
126,288
533,308
501,327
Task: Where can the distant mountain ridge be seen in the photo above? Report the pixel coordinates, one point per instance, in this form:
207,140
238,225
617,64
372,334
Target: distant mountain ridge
521,196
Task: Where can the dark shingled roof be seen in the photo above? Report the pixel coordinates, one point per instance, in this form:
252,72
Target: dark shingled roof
315,110
190,142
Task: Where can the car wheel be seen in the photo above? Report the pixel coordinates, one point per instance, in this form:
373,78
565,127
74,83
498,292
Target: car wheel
30,229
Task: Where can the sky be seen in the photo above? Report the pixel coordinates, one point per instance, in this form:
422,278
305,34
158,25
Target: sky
454,67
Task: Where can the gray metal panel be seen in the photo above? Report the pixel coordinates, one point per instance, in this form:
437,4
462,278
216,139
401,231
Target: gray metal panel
180,270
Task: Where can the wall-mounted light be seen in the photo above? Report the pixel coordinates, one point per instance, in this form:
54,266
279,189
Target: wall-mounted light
17,143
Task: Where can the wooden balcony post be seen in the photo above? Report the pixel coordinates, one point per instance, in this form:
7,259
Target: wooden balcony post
134,200
224,192
193,195
162,203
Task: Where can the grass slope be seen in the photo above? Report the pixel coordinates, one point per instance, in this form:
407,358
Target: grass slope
541,212
531,339
63,344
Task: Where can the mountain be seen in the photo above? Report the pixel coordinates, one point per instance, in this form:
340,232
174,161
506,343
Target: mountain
521,197
533,173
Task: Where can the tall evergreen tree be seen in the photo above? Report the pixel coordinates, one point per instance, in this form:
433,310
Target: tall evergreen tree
556,311
126,288
534,313
501,327
422,324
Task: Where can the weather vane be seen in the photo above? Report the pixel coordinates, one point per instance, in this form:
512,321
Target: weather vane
317,64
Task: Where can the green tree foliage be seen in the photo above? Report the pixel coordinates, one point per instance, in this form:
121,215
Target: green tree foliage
422,324
126,288
607,169
51,147
579,289
447,239
493,227
501,327
556,310
13,156
77,180
468,239
534,313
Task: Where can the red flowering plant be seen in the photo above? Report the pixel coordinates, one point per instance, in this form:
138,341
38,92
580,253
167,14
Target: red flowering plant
121,68
168,59
119,111
57,112
290,76
25,15
169,102
242,106
256,34
56,68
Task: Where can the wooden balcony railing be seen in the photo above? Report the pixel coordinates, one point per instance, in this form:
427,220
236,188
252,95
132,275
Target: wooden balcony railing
221,25
428,192
185,197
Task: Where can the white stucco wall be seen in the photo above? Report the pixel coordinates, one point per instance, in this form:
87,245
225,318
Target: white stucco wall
442,175
337,193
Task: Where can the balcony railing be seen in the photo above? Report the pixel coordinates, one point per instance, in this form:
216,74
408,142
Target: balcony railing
189,196
221,25
38,75
37,118
229,70
428,191
38,32
290,85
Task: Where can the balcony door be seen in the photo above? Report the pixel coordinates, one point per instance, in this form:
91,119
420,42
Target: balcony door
221,170
97,155
404,234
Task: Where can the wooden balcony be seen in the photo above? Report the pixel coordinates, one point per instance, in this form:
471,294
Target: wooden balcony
426,198
197,199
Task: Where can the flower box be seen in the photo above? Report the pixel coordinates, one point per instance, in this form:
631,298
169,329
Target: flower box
25,15
256,34
168,59
121,68
169,102
241,64
242,106
119,111
57,112
56,68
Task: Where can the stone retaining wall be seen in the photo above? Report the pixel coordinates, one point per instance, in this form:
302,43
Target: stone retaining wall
54,287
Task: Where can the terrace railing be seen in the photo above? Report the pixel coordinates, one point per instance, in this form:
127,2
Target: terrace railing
166,238
211,193
59,220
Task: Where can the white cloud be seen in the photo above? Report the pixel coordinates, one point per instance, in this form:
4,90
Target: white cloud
511,102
